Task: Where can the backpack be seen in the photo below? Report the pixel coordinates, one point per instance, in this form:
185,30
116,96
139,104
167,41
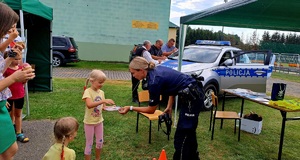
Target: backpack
133,51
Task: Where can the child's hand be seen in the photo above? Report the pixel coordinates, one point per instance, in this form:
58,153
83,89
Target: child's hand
13,33
22,76
109,101
7,105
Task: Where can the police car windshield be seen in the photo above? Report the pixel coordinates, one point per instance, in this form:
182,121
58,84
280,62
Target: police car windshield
196,54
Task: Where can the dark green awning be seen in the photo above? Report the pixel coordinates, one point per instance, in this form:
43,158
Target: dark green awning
32,6
257,14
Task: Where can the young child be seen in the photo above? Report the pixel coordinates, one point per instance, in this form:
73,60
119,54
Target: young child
93,121
65,130
16,101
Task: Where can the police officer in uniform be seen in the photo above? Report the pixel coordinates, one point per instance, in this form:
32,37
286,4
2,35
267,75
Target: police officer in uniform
163,80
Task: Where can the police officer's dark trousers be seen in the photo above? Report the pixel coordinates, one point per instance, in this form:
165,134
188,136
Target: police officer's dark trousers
135,85
185,141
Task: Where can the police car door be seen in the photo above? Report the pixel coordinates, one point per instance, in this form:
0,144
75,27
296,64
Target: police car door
249,70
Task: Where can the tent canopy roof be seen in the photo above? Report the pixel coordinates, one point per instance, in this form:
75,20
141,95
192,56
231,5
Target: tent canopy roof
31,6
257,14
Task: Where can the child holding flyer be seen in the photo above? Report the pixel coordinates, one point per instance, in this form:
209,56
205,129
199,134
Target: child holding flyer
93,121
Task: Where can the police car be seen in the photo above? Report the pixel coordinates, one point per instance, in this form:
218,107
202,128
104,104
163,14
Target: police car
224,67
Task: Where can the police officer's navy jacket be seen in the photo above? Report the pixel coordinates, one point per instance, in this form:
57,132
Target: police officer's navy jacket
167,81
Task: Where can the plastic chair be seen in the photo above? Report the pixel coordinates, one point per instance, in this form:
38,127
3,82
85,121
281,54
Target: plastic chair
144,97
215,114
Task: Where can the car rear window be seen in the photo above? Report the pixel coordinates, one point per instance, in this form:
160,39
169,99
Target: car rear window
73,42
59,41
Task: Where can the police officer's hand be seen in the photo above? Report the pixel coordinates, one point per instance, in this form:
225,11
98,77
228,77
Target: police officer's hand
168,110
124,110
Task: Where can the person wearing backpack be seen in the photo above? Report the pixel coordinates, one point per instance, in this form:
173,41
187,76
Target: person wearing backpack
142,51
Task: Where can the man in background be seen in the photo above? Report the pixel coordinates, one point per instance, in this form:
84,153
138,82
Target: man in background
169,48
156,52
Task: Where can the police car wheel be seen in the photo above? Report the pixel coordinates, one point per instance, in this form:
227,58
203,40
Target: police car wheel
208,101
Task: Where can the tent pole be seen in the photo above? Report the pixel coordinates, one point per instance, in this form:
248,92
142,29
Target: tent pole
22,25
24,60
182,35
51,56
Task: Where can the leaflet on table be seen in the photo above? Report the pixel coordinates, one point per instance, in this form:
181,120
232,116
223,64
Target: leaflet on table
252,95
257,98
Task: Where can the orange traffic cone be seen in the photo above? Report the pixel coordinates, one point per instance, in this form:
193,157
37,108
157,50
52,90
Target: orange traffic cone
163,155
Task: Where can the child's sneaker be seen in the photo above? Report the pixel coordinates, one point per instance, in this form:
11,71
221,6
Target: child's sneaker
22,138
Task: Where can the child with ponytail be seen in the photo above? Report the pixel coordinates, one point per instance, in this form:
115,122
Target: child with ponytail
65,130
93,121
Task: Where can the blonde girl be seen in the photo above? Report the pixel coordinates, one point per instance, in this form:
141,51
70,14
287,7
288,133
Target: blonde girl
65,130
93,121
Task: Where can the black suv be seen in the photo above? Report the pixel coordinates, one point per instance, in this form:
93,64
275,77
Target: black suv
65,50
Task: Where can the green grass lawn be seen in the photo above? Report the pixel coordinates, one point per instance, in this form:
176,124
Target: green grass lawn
122,143
286,76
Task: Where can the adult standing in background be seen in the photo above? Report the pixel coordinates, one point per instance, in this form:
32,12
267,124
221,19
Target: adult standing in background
156,51
8,145
142,52
169,47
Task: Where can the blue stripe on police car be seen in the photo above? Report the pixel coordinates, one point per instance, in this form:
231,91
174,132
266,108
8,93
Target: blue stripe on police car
174,63
241,72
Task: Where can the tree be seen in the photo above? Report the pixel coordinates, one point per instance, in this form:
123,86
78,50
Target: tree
254,40
266,36
203,34
282,38
275,37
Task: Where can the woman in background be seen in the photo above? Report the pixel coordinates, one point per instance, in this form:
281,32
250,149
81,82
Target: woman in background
8,145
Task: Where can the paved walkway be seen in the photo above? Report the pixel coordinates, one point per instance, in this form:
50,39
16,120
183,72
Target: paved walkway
41,138
83,73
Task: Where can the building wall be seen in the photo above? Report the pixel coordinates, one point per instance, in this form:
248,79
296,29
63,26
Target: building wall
107,29
172,34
